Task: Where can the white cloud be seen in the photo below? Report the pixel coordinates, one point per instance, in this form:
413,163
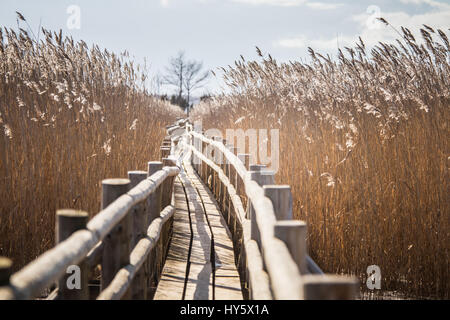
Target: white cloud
281,3
317,44
372,32
323,5
292,3
432,3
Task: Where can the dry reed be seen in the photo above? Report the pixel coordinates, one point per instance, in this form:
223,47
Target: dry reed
70,116
364,143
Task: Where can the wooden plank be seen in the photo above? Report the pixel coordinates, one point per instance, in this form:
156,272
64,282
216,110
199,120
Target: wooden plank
227,282
285,277
199,282
199,285
171,284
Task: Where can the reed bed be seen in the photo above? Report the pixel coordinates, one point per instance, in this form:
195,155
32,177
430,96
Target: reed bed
364,144
70,116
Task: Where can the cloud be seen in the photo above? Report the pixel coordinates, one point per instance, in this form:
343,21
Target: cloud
436,15
281,3
323,5
318,44
432,3
292,3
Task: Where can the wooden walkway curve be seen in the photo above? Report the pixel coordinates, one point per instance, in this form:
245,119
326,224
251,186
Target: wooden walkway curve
200,264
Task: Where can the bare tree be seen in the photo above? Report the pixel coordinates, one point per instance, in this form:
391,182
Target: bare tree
194,79
156,84
185,76
175,72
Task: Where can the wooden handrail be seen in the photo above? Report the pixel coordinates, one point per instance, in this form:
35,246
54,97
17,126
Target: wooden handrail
286,276
125,276
270,250
86,245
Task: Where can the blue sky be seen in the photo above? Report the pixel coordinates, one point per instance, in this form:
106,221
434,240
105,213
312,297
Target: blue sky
219,31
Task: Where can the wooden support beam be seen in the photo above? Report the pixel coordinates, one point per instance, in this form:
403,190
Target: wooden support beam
6,292
293,233
154,201
116,250
5,271
140,224
73,285
330,287
281,198
245,158
154,211
165,152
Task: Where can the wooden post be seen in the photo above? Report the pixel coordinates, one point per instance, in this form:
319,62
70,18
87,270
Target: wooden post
140,220
293,233
168,185
257,167
140,225
203,165
211,172
262,178
166,200
165,152
267,178
245,158
232,169
330,287
154,208
194,157
5,271
198,147
281,198
218,160
73,285
199,161
6,292
226,196
116,250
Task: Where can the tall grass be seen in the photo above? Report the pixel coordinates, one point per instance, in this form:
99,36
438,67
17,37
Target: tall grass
70,116
364,143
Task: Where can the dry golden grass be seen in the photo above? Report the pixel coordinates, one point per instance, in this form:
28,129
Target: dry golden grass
69,117
364,143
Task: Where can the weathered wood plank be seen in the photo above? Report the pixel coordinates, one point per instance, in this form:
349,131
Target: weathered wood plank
203,226
227,284
199,284
172,282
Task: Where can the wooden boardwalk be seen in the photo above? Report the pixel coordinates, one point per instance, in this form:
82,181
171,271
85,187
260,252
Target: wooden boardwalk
161,235
200,264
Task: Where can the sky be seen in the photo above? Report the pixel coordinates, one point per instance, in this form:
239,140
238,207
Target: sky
217,32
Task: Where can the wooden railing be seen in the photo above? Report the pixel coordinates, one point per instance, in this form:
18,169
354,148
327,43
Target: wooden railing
270,246
118,254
